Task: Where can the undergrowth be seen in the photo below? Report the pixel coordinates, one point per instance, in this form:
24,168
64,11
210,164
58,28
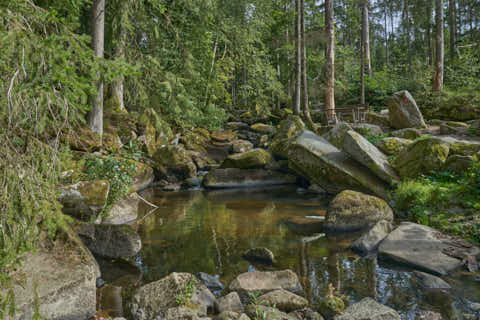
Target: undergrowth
444,200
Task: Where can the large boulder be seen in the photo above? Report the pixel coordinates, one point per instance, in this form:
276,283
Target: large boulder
144,176
84,200
123,211
253,159
319,161
112,241
283,300
368,309
424,248
392,146
59,283
336,135
403,111
369,241
174,163
351,210
240,178
264,282
241,146
288,129
176,290
421,157
367,154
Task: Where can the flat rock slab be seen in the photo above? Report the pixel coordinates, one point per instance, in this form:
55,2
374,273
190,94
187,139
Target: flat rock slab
421,247
241,178
322,163
367,154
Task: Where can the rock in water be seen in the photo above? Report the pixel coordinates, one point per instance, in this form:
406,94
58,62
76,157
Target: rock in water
368,309
174,163
430,281
283,300
253,159
176,290
370,240
423,248
368,155
421,157
123,211
404,112
319,161
263,282
263,255
241,178
351,210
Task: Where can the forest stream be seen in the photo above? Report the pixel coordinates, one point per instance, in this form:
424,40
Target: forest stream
208,231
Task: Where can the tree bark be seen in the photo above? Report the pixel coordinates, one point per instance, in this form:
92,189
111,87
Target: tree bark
452,21
117,86
95,118
386,33
428,9
406,17
298,59
362,68
330,59
440,47
306,108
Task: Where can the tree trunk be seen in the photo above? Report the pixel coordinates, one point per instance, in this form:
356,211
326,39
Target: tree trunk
330,59
439,52
366,37
306,108
117,86
428,8
386,33
362,68
95,118
406,17
298,59
452,21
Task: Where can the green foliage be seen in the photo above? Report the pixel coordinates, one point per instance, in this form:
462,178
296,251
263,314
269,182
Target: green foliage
119,172
430,199
376,138
184,299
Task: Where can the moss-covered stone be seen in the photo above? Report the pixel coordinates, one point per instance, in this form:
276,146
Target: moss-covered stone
262,128
240,146
157,132
174,163
124,123
378,119
392,145
408,133
421,157
367,129
288,128
351,210
83,139
223,136
337,134
253,159
111,140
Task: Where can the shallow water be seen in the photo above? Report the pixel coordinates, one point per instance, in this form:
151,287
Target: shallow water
200,231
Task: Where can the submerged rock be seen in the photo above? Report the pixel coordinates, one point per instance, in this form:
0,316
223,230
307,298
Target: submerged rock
306,225
424,248
260,255
369,241
368,155
403,111
421,157
351,210
263,282
84,200
319,161
241,178
283,300
253,159
368,309
176,290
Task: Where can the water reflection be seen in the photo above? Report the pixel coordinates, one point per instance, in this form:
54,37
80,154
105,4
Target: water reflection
209,231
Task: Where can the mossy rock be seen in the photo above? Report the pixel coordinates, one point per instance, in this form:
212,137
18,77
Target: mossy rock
337,134
408,133
378,119
124,123
421,157
367,130
392,145
83,139
331,306
288,128
111,140
262,128
195,141
157,132
253,159
223,136
352,211
174,163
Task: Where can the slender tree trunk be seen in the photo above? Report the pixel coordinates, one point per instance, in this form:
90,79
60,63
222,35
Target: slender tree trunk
386,32
440,47
428,9
95,118
366,37
298,59
306,108
362,68
330,59
117,85
452,21
406,17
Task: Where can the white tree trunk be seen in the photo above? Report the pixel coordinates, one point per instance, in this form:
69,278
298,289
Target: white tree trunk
440,47
330,59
